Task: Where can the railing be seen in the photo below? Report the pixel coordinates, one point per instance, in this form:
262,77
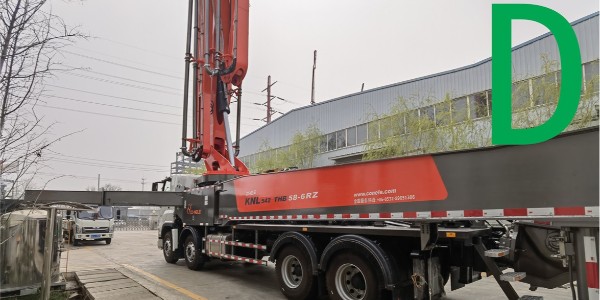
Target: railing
136,225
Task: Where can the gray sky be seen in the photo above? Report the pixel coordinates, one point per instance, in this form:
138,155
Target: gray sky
141,43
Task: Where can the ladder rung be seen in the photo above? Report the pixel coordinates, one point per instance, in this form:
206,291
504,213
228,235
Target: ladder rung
512,276
496,252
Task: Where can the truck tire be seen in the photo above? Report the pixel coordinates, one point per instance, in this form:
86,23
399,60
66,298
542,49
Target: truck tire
193,254
108,241
351,277
170,255
295,274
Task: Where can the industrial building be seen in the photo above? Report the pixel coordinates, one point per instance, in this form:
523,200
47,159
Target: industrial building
344,121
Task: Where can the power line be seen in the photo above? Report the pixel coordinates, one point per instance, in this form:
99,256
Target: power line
136,47
122,83
83,177
118,57
111,105
124,78
111,96
110,161
91,164
121,65
107,115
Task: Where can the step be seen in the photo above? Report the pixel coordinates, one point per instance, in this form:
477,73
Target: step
497,252
512,276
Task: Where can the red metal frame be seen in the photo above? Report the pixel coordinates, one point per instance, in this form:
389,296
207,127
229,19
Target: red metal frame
210,128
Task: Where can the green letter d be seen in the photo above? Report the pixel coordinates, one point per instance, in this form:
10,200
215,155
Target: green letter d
570,61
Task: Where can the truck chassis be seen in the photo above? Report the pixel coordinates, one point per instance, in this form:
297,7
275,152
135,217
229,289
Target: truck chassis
530,208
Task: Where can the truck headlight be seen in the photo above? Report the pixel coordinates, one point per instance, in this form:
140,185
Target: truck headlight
77,228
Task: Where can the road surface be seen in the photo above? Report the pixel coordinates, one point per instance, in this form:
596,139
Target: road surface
135,254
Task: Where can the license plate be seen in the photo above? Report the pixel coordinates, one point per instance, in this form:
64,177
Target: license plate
95,236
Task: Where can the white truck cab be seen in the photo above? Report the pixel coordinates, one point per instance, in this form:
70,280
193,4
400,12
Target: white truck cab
89,225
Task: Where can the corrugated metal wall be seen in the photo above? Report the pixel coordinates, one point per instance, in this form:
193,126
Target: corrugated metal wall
354,109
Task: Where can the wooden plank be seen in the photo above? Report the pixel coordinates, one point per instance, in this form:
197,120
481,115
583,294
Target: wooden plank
103,283
108,284
113,286
113,294
96,271
102,278
98,275
144,296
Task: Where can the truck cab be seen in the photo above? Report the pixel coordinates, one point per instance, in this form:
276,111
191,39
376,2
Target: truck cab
89,225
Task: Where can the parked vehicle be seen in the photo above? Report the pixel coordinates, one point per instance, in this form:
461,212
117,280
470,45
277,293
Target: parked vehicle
89,225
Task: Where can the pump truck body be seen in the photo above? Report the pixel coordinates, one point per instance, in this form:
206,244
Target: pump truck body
389,229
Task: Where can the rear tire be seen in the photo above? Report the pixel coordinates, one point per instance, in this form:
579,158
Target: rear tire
193,254
351,277
170,255
108,241
76,242
295,274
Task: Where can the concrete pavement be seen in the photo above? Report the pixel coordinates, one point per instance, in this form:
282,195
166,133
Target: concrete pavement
134,253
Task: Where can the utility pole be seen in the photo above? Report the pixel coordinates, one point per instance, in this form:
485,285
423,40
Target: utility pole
143,183
362,88
269,98
312,90
98,182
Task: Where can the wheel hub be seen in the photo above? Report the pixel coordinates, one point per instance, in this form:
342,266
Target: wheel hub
167,246
190,251
291,271
350,282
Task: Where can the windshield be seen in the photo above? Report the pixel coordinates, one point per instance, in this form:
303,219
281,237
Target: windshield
102,212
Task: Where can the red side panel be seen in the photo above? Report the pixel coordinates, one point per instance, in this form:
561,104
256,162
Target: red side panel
391,181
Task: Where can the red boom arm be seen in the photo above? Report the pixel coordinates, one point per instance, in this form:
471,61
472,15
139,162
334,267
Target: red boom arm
222,62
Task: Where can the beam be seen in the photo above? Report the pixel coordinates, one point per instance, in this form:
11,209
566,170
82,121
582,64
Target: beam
111,198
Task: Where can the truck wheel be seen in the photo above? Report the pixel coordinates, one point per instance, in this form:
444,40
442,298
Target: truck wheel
351,277
295,274
170,255
193,255
76,242
108,241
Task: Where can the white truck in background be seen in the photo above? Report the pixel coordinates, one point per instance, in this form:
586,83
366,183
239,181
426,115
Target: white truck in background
89,225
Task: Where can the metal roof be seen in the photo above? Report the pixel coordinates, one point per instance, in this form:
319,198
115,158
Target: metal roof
334,114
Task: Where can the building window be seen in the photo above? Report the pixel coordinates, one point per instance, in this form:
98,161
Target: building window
323,143
459,110
351,138
340,138
478,105
411,121
591,76
361,134
386,127
489,101
442,113
427,117
331,141
544,89
520,95
373,130
398,124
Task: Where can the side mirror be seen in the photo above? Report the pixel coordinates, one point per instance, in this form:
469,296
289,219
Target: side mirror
68,215
118,214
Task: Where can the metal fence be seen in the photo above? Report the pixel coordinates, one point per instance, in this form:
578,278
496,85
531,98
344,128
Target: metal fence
136,225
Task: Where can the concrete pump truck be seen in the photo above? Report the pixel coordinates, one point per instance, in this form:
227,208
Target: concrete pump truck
389,229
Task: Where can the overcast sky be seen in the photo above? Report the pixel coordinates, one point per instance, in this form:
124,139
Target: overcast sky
134,60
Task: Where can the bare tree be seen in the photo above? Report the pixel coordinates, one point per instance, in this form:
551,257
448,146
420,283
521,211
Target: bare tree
31,37
106,187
